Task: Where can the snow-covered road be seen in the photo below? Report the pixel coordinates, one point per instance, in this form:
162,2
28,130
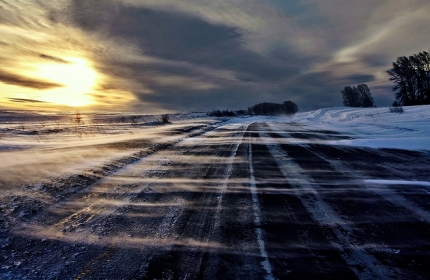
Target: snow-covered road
247,198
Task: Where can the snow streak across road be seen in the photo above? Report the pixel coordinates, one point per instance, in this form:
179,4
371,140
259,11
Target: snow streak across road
245,200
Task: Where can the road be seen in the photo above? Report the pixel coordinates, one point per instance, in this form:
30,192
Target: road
241,200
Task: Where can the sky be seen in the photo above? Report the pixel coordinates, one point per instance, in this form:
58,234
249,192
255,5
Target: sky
152,56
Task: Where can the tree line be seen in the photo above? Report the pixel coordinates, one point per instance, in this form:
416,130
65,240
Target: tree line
286,108
359,96
223,113
412,78
269,109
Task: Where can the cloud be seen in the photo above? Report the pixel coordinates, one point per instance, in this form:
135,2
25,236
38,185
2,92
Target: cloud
177,54
54,58
194,54
23,81
25,100
182,37
319,53
358,78
233,97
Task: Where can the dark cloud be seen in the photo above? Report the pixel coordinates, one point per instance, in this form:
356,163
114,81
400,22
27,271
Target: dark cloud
376,60
358,78
313,94
180,37
26,100
284,54
18,80
304,12
387,88
382,94
54,58
327,78
233,98
176,36
313,80
91,15
187,48
322,89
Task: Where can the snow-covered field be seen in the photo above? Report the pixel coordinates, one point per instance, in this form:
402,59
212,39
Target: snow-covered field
36,146
375,127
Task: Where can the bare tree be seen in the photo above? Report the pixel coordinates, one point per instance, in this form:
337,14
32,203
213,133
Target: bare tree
364,95
359,96
412,78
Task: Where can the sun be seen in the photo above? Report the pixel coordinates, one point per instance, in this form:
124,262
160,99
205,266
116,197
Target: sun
77,78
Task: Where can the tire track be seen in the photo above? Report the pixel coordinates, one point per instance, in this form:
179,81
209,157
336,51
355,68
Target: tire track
388,194
191,265
62,189
298,246
364,265
96,209
174,215
162,233
167,233
394,235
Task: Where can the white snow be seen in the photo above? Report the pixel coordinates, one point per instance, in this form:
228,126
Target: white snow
34,146
374,127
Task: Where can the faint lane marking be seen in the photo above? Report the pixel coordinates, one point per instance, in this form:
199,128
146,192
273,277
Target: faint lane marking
257,218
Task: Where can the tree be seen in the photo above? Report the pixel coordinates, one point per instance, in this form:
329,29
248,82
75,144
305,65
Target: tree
224,113
265,108
359,96
412,78
286,108
290,107
165,118
349,96
364,96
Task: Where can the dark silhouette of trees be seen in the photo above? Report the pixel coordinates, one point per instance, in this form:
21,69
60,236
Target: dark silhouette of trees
165,118
286,108
359,96
412,78
265,108
224,113
241,112
364,96
349,96
290,107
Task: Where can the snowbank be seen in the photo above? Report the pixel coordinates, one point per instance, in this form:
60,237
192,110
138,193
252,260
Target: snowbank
375,127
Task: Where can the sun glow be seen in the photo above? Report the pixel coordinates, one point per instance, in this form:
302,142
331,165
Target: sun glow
77,78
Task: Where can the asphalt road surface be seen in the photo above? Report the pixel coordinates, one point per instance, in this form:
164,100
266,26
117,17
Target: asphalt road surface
235,201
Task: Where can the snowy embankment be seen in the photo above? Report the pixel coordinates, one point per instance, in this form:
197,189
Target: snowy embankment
374,127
